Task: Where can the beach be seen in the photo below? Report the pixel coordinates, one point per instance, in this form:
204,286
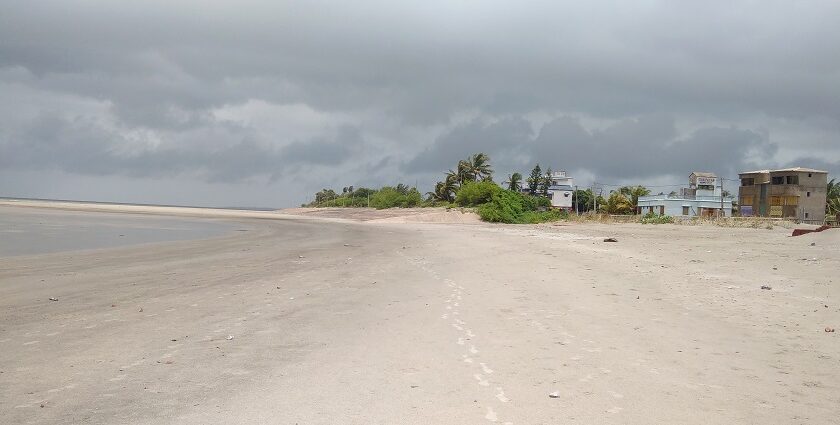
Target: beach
326,316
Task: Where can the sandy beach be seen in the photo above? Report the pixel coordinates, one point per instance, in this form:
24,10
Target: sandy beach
315,317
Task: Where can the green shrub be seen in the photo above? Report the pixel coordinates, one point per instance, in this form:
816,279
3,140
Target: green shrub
476,193
390,197
504,207
653,218
533,217
507,206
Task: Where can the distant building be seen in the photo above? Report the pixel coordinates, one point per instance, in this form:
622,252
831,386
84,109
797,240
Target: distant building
702,198
787,193
560,192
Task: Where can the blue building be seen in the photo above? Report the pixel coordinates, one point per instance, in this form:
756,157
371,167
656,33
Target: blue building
702,198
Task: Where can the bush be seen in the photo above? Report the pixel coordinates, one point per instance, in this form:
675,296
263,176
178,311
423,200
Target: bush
533,217
504,207
507,206
653,218
390,197
476,193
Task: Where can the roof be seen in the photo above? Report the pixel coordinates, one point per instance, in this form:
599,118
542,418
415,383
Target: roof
560,187
786,170
702,174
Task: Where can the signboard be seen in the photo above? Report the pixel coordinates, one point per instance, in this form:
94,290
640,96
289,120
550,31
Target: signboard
775,211
706,181
747,211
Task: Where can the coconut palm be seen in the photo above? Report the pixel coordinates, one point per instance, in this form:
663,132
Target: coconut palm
832,198
515,182
480,168
618,203
464,172
633,193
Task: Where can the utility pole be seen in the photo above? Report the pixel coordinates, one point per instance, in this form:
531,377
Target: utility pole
577,210
722,212
595,198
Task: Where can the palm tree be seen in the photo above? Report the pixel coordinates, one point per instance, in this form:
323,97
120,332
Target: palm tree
633,193
480,166
515,182
832,198
465,173
618,203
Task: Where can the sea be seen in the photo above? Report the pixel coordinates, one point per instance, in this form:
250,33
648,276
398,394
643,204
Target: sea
29,231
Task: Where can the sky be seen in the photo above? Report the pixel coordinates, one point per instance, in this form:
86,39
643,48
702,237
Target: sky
263,103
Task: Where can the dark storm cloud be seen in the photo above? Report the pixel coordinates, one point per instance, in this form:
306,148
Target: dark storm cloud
636,148
82,147
626,90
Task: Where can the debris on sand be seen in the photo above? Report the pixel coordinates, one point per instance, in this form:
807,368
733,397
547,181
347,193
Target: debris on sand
141,310
766,287
827,329
229,337
555,394
610,240
53,299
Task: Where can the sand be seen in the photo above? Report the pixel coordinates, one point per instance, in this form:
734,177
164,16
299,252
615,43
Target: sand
322,321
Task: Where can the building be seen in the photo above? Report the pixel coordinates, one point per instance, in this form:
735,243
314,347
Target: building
702,198
797,193
560,192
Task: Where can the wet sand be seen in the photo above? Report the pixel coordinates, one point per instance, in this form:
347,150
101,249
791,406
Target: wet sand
326,321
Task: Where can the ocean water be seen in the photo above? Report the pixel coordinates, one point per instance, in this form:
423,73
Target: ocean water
25,231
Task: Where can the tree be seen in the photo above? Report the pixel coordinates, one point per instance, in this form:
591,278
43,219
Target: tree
445,190
515,182
464,172
618,203
632,193
545,182
582,199
325,195
534,180
832,198
479,165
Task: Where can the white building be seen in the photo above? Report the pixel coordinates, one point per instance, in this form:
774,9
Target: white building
561,190
702,198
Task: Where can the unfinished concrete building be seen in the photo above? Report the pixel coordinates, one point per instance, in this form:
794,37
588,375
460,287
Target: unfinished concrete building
797,193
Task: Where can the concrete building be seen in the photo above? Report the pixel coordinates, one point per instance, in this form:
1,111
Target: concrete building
561,190
702,198
797,193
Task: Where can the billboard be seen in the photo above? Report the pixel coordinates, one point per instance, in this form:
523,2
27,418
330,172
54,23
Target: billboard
747,211
706,181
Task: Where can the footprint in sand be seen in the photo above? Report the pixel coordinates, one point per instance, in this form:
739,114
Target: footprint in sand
473,350
485,369
460,341
481,381
500,394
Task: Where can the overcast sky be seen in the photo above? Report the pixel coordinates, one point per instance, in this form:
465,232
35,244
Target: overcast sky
262,103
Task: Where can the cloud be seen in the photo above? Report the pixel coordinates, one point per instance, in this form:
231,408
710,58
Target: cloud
255,90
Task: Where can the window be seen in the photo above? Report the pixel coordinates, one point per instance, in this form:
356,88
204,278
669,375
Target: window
705,187
792,179
807,194
777,180
791,200
747,200
685,210
806,215
747,182
809,174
